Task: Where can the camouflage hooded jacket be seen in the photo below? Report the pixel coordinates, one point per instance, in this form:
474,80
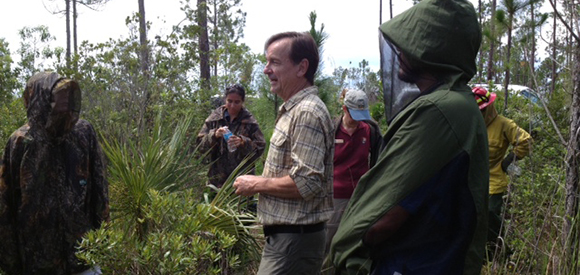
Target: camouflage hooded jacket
223,162
52,184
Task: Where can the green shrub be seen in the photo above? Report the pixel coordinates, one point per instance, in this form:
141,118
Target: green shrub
184,237
13,116
159,223
534,208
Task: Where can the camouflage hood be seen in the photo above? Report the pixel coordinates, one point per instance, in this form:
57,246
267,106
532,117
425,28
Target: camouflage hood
52,104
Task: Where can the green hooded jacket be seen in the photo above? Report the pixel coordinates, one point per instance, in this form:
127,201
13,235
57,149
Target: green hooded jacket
443,38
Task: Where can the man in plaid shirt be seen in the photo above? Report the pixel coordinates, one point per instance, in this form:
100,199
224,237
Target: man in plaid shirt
295,189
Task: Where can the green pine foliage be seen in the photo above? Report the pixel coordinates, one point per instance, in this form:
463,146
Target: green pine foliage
13,116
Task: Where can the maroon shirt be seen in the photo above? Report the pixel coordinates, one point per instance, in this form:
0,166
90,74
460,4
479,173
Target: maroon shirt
351,159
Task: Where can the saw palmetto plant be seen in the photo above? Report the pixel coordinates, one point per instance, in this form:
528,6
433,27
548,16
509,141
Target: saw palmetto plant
160,223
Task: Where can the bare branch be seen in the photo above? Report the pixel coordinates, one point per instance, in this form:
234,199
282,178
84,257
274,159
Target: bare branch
564,22
53,11
548,113
94,5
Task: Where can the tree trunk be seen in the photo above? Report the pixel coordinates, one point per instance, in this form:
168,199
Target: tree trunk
554,51
144,58
533,53
380,12
143,39
507,62
480,53
204,68
490,71
216,39
75,45
67,55
571,227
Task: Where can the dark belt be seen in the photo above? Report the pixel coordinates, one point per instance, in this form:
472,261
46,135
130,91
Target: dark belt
290,228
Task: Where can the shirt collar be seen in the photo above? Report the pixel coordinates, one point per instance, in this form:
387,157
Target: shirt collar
295,99
227,115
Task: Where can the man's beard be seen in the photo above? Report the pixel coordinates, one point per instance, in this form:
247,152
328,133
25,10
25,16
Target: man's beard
407,75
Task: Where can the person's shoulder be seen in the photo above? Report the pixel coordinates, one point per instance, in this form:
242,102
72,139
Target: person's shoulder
505,121
451,101
21,132
216,114
18,139
247,116
19,135
371,123
312,102
504,118
445,95
83,123
83,127
246,112
442,107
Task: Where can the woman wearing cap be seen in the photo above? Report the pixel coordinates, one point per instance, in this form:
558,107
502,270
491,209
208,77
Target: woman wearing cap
501,132
357,147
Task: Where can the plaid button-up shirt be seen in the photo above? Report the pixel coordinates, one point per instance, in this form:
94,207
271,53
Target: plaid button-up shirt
301,146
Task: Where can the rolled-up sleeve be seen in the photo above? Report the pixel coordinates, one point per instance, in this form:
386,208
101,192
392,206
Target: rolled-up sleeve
308,154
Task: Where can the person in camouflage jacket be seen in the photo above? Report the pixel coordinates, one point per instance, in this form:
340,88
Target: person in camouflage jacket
246,135
52,184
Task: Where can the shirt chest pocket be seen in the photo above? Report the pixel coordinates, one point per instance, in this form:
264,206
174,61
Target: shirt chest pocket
280,147
495,148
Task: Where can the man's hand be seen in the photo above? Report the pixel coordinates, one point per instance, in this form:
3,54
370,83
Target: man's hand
284,187
246,185
386,226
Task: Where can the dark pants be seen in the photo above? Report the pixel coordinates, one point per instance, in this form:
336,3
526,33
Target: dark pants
495,209
332,225
496,248
293,253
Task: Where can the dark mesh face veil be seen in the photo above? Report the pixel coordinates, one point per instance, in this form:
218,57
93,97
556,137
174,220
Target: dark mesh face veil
68,94
396,93
66,106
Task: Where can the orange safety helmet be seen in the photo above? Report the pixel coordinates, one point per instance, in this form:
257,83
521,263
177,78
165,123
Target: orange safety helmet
483,97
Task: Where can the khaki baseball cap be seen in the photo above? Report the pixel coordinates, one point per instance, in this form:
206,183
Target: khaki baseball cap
357,103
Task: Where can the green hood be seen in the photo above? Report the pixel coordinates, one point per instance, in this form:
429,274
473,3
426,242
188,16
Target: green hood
441,36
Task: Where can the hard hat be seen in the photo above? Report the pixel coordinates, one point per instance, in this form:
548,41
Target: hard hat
483,97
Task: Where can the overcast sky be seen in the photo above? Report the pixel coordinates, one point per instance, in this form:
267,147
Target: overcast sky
352,26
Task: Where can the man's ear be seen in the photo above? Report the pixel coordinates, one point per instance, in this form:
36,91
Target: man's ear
303,67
